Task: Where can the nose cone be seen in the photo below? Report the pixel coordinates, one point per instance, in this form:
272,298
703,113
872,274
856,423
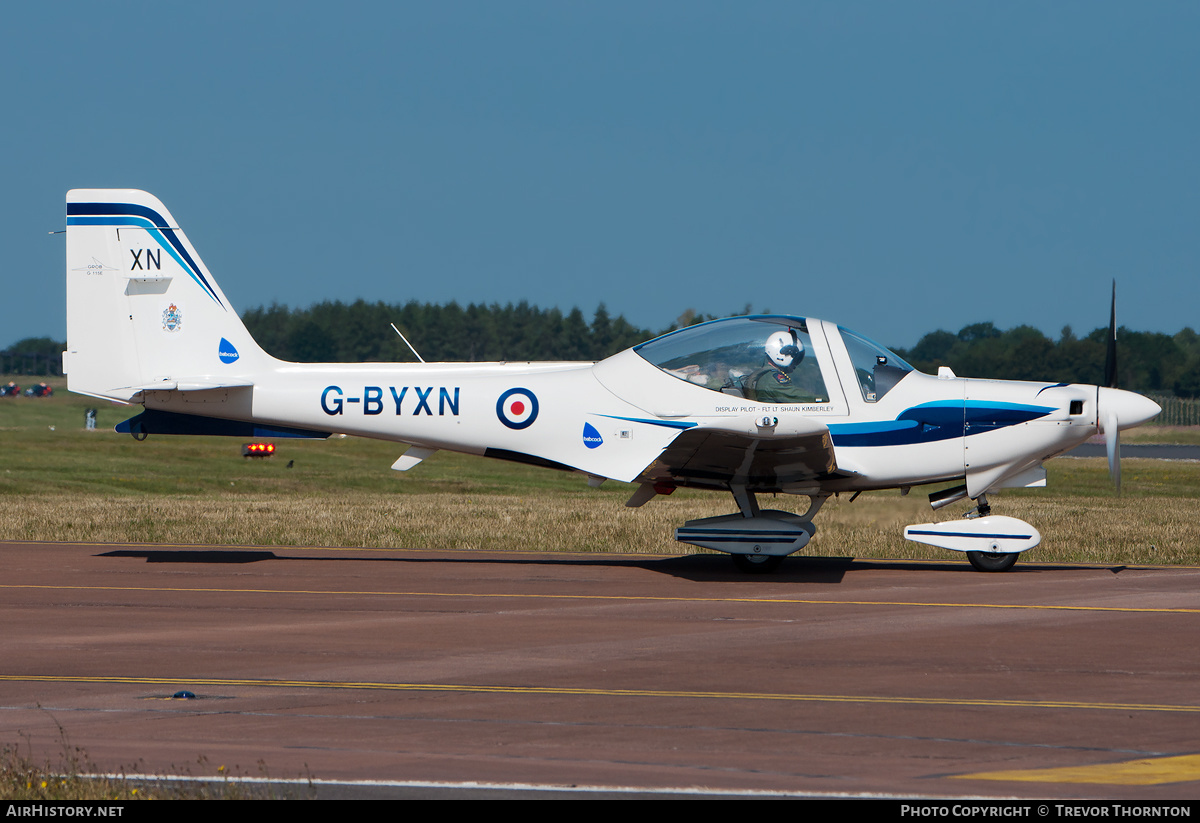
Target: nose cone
1129,408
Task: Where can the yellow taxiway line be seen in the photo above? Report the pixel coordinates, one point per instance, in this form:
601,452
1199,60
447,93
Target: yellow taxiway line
613,597
178,682
1148,772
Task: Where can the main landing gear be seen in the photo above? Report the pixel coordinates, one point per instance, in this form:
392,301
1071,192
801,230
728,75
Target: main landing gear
758,539
757,563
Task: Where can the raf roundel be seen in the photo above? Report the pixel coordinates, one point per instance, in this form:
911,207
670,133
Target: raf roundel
517,408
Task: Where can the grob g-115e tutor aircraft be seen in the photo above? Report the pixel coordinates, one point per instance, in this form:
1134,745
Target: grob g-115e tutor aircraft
771,403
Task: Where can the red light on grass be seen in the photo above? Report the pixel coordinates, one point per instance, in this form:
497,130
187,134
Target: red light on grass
258,449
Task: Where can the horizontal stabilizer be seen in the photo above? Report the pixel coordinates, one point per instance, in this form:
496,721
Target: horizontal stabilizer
191,384
153,421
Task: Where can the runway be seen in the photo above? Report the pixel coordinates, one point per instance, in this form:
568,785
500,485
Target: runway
832,677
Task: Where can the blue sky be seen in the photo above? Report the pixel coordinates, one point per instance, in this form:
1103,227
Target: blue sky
896,167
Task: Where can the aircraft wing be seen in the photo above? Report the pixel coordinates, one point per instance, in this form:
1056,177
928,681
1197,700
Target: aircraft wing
720,455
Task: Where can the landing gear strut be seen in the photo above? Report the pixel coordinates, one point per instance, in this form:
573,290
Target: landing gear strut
982,510
988,561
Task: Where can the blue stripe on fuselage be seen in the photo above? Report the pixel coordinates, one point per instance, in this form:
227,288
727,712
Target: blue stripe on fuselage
669,424
931,422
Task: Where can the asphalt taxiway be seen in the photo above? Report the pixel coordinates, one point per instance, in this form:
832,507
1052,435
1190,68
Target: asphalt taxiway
832,677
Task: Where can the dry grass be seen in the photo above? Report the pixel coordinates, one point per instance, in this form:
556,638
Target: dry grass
1098,527
74,778
554,522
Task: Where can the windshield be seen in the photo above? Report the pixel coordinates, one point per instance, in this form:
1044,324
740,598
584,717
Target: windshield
878,369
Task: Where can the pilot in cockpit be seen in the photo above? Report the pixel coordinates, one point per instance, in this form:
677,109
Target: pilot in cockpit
777,381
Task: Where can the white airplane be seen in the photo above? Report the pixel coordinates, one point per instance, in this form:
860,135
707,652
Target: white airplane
771,403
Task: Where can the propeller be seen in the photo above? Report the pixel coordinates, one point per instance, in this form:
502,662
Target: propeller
1112,440
1112,428
1117,409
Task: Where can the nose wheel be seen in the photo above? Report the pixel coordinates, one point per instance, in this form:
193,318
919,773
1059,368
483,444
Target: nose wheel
990,541
992,561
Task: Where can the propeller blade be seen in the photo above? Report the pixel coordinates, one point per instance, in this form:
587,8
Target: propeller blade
1112,439
1110,360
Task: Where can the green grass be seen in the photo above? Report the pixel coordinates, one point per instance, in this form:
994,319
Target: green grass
47,449
1185,435
60,482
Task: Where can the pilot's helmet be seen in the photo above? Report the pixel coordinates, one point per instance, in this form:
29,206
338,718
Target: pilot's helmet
785,350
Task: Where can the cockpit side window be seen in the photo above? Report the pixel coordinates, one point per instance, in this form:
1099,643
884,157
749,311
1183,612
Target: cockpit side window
765,359
878,369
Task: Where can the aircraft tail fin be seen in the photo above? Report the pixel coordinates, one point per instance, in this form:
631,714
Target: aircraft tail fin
142,308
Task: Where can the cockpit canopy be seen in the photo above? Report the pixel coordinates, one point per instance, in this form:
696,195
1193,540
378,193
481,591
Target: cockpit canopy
768,358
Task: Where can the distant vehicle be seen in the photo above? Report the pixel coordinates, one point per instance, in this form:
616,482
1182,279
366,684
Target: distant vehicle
11,390
40,390
746,405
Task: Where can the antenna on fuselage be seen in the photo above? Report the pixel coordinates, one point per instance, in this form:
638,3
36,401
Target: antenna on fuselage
405,339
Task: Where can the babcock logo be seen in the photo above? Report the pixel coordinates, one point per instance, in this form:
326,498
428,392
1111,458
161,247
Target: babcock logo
517,408
227,352
591,437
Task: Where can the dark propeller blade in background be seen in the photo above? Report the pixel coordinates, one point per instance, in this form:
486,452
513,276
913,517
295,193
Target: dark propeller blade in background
1110,360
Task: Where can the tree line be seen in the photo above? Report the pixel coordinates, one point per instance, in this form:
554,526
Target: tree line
1147,362
338,332
40,356
333,331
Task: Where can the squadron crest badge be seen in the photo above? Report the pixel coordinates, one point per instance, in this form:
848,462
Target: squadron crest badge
172,318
